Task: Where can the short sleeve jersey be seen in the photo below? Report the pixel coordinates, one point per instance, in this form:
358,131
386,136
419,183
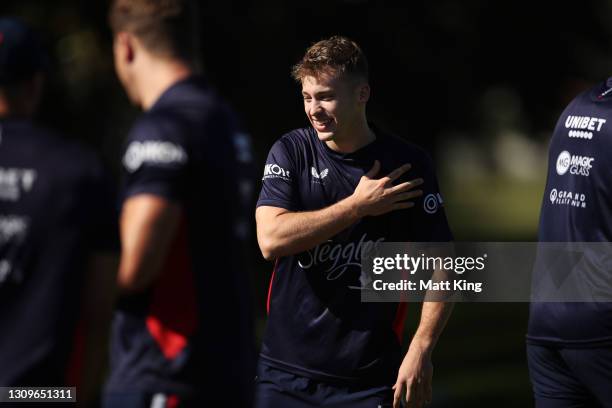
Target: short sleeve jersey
56,209
317,325
577,207
195,318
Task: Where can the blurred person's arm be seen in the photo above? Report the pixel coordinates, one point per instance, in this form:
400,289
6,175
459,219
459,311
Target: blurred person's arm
281,232
147,227
98,301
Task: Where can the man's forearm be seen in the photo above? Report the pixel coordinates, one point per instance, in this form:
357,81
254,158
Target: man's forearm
295,232
434,316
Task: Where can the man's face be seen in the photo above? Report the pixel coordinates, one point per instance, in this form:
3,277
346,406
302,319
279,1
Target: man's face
333,104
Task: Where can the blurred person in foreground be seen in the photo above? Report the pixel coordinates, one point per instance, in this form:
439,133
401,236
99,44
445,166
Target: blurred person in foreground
329,190
569,344
182,332
57,241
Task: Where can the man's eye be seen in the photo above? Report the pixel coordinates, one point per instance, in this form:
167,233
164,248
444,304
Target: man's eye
307,99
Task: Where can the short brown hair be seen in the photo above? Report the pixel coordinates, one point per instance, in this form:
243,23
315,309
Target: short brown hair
165,27
336,55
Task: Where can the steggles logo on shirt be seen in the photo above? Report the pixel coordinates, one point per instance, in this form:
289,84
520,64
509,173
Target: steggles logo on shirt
340,257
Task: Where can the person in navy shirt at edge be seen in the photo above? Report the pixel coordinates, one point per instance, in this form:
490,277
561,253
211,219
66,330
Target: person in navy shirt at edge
182,332
328,190
569,345
58,236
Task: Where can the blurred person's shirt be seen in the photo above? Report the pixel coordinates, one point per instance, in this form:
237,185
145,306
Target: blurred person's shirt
318,326
190,333
56,209
577,208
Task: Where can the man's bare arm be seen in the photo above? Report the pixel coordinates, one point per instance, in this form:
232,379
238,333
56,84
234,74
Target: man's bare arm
148,225
416,372
281,232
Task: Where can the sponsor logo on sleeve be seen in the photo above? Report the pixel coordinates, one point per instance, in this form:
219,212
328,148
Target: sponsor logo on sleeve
153,152
583,127
575,164
562,197
273,170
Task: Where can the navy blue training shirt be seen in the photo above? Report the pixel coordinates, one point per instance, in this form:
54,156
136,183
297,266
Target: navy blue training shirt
577,207
317,326
56,209
190,332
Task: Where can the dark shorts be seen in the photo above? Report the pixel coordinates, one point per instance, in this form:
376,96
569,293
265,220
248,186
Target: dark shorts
570,377
276,388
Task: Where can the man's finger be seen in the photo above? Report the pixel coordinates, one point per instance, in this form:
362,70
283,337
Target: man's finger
402,206
394,175
408,185
409,195
419,394
410,395
397,395
374,170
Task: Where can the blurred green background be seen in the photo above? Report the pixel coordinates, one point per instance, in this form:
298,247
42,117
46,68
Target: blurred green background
479,84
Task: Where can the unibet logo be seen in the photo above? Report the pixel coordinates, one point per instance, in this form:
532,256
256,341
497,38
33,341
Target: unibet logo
275,171
577,165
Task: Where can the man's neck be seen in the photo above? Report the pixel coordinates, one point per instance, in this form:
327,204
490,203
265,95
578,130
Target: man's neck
158,77
354,139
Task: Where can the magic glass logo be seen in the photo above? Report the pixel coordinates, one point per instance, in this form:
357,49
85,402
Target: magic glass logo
575,164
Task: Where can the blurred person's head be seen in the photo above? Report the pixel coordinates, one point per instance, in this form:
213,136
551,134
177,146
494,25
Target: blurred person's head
22,65
153,45
334,78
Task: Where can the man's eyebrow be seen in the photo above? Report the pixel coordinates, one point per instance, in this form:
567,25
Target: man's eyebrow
319,93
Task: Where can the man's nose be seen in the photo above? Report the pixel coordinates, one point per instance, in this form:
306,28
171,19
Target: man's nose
315,107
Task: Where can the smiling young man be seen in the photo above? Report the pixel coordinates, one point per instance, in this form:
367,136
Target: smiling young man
329,190
182,330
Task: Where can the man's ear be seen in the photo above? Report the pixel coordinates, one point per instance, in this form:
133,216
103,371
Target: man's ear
124,46
364,93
